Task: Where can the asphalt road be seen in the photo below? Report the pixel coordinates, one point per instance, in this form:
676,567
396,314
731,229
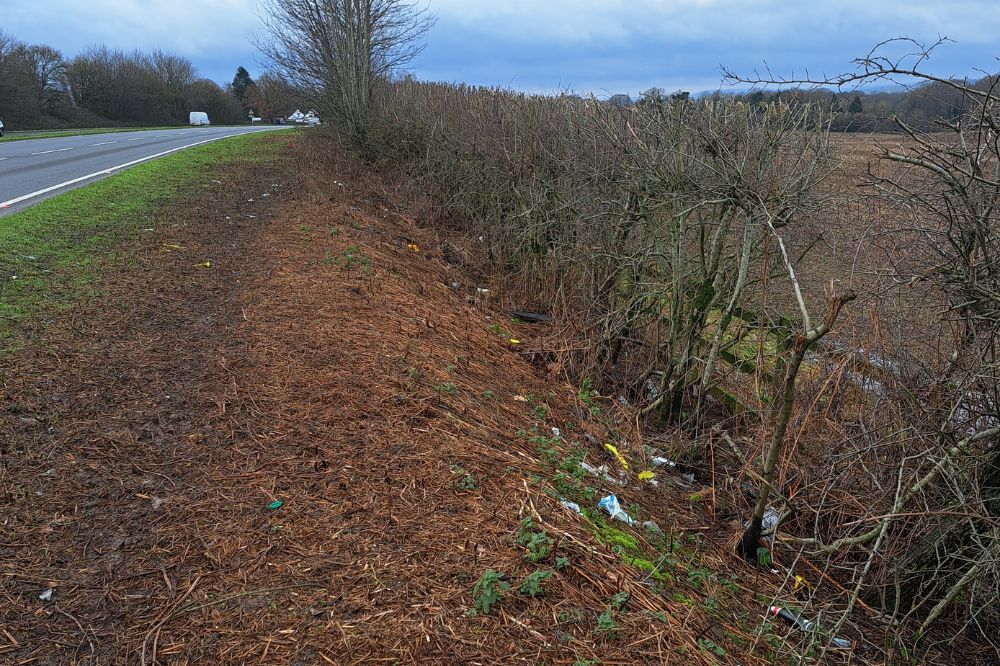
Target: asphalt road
36,169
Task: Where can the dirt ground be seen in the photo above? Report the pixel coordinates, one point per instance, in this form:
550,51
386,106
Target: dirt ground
294,431
306,450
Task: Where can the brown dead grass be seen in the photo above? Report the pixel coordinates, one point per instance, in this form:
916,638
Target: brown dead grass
326,362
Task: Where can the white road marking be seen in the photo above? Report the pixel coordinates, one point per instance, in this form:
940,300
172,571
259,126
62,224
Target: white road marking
104,172
138,138
102,143
57,150
2,159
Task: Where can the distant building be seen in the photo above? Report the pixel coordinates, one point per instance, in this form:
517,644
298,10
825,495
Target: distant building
620,100
299,118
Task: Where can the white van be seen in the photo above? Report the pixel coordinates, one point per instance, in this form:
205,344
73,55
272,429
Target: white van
199,118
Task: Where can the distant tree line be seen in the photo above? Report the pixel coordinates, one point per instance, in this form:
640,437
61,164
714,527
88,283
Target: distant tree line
40,88
921,106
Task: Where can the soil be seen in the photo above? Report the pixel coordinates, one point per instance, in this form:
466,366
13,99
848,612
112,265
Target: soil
293,429
306,450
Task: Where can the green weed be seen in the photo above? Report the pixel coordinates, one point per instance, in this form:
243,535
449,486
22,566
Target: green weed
464,480
606,624
447,388
489,591
532,585
708,645
587,396
538,543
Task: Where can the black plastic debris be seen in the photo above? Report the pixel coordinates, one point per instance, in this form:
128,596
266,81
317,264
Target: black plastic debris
531,317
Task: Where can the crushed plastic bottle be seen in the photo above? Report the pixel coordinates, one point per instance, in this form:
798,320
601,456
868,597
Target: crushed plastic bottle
572,506
804,624
601,473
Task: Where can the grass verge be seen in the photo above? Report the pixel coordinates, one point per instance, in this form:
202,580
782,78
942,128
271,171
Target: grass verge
55,134
52,254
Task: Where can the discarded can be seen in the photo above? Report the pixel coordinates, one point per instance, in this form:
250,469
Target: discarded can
769,521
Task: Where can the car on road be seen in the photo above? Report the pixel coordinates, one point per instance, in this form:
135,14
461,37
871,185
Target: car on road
199,118
1,127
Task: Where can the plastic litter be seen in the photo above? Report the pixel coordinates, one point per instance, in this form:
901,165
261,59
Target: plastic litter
614,451
276,504
481,290
601,473
661,461
572,506
531,317
770,520
614,509
47,595
556,432
804,624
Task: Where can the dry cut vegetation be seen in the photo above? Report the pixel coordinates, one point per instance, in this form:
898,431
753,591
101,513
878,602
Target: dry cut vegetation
681,245
294,431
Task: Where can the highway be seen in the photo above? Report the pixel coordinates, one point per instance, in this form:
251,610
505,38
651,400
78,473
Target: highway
35,169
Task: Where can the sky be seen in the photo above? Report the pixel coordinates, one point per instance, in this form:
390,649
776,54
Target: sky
586,46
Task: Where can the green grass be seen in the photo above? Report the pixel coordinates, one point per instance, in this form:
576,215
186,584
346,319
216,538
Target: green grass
51,255
55,134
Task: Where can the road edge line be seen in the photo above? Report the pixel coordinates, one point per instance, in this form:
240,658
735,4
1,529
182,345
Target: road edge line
110,170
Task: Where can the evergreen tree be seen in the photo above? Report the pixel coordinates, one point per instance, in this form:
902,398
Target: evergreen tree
856,106
241,82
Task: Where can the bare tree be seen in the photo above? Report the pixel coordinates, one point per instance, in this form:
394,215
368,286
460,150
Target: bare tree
274,95
339,49
175,75
809,336
948,176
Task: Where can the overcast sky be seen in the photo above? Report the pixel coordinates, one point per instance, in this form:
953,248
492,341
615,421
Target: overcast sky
600,46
